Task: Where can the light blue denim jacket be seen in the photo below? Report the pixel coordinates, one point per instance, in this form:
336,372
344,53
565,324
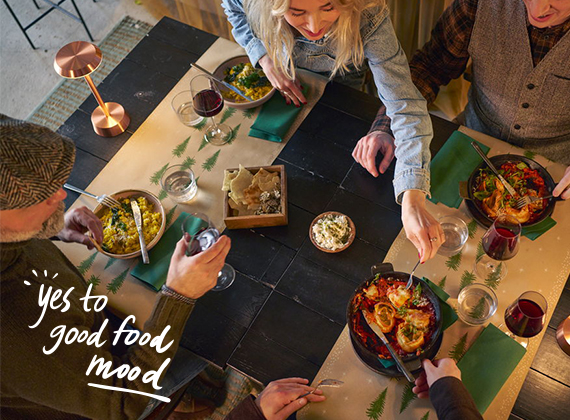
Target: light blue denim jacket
406,107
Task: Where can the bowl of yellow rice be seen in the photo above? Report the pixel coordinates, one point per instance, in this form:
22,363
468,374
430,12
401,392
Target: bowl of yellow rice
120,235
239,73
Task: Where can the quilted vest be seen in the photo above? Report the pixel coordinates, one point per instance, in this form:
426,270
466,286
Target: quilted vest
509,98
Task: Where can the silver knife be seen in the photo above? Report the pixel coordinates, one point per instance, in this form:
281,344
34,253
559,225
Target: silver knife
232,88
508,186
396,356
138,222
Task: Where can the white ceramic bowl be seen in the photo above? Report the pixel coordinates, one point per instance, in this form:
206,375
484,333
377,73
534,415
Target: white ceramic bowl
220,74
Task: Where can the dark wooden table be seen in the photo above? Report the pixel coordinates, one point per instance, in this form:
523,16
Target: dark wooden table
287,306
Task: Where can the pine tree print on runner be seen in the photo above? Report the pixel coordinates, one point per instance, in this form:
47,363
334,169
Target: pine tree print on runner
170,215
188,162
203,144
209,164
480,252
426,416
86,264
467,278
472,228
228,112
494,278
117,282
155,178
232,136
162,194
441,283
179,150
529,154
249,113
110,262
201,124
376,408
94,280
407,396
454,261
459,348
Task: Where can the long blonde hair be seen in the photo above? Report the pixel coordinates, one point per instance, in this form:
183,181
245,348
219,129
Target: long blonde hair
267,20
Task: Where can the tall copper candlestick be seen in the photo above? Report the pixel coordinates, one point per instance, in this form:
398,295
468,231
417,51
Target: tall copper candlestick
79,59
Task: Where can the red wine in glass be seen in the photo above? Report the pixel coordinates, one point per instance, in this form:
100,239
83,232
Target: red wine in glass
525,316
208,103
501,243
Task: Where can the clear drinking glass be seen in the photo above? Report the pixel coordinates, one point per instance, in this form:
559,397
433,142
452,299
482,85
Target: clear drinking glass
525,317
182,105
209,102
456,234
476,303
500,243
204,238
179,183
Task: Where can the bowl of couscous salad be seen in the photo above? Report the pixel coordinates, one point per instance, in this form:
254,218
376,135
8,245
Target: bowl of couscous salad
240,73
120,236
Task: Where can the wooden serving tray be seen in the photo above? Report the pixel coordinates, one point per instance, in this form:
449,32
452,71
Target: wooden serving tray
262,220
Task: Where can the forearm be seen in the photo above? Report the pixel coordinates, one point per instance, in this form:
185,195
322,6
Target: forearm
241,30
246,410
410,121
452,401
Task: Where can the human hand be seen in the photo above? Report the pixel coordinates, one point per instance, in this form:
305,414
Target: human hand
289,89
368,147
421,227
194,276
432,372
279,399
562,189
76,223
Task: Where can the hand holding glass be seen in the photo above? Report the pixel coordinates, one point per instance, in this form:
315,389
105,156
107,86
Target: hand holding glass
204,238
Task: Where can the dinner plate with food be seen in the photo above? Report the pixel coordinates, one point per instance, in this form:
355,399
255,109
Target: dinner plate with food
120,235
410,319
251,81
486,196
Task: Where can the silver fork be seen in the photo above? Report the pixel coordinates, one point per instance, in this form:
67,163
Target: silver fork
411,279
335,383
102,199
526,200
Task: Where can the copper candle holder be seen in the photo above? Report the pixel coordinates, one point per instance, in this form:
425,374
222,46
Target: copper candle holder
79,59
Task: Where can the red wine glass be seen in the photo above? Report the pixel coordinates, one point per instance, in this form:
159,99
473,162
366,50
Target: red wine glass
209,102
500,243
201,234
525,317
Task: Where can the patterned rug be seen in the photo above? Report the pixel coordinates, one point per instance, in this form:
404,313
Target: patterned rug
69,94
59,105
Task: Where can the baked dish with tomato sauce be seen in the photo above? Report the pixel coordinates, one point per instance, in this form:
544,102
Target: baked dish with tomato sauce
406,317
494,199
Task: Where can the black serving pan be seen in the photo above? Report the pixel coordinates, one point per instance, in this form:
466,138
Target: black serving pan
474,205
412,362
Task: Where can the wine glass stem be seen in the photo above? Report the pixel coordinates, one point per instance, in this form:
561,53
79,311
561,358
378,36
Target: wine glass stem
214,123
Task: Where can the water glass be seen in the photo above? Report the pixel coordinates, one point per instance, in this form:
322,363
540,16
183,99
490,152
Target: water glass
456,234
183,107
179,183
476,303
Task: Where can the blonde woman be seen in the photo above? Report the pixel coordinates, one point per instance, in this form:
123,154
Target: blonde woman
342,39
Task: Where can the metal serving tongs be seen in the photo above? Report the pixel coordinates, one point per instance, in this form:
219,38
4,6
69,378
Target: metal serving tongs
225,84
507,186
333,383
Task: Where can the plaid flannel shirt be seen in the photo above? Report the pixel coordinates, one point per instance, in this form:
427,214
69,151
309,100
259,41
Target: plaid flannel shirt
445,56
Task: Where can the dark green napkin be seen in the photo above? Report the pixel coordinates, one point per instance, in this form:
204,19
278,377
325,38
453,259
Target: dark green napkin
455,162
275,118
447,313
533,232
488,364
154,274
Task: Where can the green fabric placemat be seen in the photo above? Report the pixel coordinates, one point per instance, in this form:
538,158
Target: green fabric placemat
533,232
453,163
488,363
275,118
447,313
154,274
